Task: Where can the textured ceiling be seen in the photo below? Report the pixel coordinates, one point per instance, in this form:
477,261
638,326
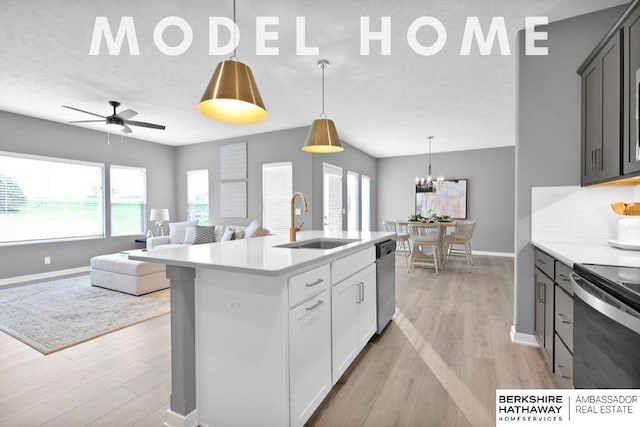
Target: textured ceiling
384,105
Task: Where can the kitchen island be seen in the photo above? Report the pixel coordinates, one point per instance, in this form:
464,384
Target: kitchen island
260,330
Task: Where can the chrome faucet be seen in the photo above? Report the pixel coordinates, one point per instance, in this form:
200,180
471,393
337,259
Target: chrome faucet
294,229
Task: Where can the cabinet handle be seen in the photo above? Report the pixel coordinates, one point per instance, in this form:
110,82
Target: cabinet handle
593,163
561,368
563,277
540,261
316,305
358,300
317,282
562,316
362,291
542,293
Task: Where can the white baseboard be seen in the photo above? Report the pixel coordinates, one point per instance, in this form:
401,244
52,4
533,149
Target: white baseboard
42,276
173,419
489,253
524,339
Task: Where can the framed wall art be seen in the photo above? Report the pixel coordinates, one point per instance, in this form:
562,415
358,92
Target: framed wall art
448,198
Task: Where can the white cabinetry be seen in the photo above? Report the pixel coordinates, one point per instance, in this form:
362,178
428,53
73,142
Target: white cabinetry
309,342
309,356
353,308
265,344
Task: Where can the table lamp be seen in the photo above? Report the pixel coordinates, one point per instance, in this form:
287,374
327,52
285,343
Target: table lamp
159,216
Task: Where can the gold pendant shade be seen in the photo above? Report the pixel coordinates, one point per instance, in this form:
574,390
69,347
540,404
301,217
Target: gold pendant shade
232,95
323,138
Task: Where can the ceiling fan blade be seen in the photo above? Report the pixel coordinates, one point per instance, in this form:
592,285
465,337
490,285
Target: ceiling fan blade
87,121
144,124
127,114
83,111
126,129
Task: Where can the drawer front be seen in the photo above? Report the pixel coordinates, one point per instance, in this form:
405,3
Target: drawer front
563,369
563,277
351,264
564,317
544,262
308,284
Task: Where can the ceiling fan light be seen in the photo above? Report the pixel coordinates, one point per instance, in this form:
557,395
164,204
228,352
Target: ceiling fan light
323,138
232,95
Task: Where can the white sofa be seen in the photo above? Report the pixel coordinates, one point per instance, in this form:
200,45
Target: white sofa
180,235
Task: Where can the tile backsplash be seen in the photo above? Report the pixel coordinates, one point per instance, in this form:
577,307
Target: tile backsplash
575,214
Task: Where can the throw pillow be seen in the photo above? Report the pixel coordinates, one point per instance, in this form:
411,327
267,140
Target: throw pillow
220,229
253,230
238,233
228,235
204,234
177,230
190,235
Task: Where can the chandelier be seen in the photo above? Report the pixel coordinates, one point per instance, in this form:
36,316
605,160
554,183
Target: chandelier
428,184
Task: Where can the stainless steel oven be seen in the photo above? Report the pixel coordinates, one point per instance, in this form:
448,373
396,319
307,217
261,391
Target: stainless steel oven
606,334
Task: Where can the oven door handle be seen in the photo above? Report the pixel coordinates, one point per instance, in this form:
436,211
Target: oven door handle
601,306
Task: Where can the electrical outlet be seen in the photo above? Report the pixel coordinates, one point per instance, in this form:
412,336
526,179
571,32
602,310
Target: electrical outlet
47,260
234,304
298,211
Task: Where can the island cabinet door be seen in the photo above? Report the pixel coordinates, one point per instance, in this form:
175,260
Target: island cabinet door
309,356
344,325
367,316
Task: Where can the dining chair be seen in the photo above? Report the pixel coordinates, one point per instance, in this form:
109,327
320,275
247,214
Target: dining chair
461,237
426,236
401,238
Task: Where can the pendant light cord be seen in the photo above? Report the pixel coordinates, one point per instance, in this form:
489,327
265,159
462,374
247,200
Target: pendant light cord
234,32
323,114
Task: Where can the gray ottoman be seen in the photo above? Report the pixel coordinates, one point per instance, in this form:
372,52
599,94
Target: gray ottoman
117,272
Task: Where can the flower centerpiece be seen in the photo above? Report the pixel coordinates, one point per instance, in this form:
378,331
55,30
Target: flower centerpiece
431,218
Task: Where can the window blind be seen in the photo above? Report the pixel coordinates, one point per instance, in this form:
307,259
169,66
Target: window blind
366,203
332,198
353,201
277,188
128,200
43,198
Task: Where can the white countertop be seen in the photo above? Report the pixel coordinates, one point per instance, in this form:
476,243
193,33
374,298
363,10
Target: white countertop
258,255
595,251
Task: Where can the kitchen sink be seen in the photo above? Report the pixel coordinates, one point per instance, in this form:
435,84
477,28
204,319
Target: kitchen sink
319,243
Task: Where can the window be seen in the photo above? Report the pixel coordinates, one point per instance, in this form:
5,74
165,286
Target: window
43,198
128,200
353,201
366,203
277,188
331,198
198,195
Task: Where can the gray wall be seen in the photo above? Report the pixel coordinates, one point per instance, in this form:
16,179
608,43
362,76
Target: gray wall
350,160
548,131
280,146
490,192
271,147
28,135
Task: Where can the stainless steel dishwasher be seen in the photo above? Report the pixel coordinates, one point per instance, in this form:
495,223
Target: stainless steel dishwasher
385,282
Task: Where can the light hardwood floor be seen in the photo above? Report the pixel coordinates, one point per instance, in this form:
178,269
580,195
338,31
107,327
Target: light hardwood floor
437,364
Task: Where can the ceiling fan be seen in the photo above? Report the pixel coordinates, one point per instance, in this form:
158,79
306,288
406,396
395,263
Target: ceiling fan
120,119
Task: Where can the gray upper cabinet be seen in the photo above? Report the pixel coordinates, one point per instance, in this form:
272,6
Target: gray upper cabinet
631,150
610,92
601,113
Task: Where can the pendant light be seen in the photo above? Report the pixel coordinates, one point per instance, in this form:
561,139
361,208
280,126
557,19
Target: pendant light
426,185
323,136
232,95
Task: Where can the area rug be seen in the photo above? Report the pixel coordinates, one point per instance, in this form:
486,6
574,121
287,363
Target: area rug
53,315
